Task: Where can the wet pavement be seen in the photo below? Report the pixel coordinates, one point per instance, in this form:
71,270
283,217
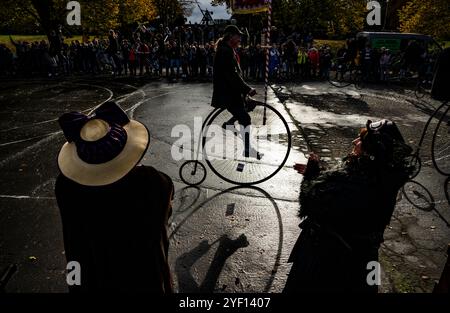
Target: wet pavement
223,238
414,252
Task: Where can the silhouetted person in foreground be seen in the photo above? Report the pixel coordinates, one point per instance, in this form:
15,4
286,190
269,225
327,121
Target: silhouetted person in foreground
114,213
346,210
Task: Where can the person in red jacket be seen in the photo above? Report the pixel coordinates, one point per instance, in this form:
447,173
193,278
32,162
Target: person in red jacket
314,58
143,52
132,59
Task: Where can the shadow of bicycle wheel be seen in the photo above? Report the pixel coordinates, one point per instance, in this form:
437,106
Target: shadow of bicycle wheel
192,222
419,196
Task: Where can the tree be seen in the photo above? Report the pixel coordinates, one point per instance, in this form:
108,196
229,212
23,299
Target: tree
348,17
430,17
131,11
50,13
43,14
392,18
96,16
325,17
15,18
169,11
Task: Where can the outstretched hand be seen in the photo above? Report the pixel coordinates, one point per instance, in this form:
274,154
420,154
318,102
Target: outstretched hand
313,161
300,168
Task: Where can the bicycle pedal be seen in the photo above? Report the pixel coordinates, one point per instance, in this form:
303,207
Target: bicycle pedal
253,154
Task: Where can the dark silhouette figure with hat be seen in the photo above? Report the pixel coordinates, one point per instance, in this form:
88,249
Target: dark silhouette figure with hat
229,87
345,211
114,213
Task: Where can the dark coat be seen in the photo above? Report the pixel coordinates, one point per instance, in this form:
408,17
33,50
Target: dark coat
346,210
118,232
229,87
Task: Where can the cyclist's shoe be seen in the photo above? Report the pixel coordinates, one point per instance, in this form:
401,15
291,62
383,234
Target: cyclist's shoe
250,105
252,153
230,127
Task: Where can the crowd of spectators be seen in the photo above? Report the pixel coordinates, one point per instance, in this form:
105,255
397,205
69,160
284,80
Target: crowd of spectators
187,52
148,51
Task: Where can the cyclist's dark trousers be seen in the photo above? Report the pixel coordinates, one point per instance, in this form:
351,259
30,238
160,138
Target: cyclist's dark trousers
241,115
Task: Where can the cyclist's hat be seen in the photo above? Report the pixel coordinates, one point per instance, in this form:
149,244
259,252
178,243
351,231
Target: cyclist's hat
233,30
101,147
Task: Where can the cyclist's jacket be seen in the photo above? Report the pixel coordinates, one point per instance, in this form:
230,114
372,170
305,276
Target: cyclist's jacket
229,87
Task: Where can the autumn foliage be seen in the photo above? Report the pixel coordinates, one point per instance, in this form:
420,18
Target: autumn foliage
431,17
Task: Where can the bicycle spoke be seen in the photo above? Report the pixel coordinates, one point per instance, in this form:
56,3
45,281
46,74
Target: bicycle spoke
225,154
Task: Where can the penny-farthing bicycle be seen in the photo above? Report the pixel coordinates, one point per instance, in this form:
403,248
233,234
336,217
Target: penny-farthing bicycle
224,149
414,192
440,144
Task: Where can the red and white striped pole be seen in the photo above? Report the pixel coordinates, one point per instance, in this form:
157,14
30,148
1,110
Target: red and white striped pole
269,26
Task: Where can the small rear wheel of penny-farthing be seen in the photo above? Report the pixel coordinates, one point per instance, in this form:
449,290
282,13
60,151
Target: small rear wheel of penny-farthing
192,172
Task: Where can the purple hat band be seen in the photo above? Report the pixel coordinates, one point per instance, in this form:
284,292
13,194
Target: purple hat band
106,148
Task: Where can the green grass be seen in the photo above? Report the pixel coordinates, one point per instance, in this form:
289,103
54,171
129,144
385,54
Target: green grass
30,38
335,45
445,44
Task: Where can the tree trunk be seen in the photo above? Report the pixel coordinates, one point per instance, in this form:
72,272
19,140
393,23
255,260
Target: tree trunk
393,22
47,14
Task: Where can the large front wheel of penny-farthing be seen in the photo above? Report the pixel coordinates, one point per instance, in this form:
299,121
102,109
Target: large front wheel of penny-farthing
192,173
224,152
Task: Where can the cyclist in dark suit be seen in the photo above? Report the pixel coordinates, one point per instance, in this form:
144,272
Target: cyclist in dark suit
229,87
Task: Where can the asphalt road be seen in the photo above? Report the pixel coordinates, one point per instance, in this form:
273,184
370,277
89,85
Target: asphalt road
223,238
212,248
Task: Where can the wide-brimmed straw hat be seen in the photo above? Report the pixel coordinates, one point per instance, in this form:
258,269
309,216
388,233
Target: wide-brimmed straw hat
102,147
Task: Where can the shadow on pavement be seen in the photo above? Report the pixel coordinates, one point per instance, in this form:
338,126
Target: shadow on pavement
421,198
226,246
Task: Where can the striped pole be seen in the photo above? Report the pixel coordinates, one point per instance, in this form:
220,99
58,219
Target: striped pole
269,26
